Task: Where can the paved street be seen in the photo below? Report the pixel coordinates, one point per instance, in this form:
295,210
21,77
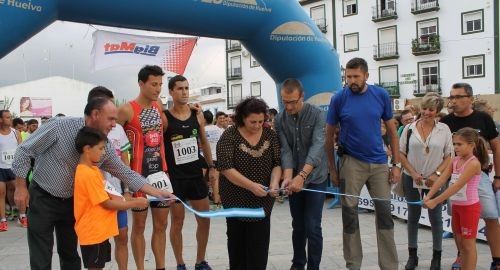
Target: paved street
14,249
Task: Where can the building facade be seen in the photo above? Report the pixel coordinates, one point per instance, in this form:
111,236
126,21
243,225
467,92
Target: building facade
411,46
417,46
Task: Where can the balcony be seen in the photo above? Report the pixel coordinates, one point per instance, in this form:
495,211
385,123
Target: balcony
421,90
385,51
233,46
234,74
422,6
321,23
392,88
379,15
426,45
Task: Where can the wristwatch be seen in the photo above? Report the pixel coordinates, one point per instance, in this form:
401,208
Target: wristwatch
396,165
438,173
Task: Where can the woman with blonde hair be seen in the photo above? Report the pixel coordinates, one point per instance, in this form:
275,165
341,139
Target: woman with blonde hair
426,147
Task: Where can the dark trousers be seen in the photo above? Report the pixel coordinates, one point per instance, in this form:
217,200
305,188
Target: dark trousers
45,214
307,209
248,244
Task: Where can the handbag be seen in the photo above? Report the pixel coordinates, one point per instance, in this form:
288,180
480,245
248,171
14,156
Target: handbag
398,187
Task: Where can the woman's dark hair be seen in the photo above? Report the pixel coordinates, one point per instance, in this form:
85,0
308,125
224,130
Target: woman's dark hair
248,106
88,136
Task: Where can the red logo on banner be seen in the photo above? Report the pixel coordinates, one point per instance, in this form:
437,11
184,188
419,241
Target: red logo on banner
178,54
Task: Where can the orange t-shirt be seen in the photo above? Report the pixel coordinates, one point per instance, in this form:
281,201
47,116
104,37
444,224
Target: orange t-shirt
93,223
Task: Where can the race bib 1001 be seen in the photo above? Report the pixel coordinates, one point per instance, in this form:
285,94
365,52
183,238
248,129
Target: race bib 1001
185,150
161,181
8,156
461,195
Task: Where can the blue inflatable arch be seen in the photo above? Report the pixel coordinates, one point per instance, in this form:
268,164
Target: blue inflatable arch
278,33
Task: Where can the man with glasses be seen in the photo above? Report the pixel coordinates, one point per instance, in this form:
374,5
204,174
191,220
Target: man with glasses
357,110
301,129
461,98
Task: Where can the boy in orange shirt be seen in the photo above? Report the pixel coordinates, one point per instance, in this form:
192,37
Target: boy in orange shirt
96,203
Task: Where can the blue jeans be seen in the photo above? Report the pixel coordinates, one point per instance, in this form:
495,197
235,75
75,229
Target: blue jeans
307,209
435,216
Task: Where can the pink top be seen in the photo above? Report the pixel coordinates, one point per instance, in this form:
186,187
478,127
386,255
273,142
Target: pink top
470,188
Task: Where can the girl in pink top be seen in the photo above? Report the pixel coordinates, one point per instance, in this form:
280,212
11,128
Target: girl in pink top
465,171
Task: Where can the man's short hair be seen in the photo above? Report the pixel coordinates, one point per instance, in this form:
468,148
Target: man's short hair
95,104
209,117
357,63
174,80
219,114
149,70
292,84
17,121
2,112
31,122
406,111
88,136
273,112
467,87
100,91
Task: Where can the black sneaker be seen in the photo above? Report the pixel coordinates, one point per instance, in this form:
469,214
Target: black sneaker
181,267
202,266
297,267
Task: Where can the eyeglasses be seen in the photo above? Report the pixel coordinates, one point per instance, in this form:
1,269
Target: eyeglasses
291,102
457,97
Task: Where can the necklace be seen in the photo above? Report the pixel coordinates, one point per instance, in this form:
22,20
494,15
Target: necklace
427,137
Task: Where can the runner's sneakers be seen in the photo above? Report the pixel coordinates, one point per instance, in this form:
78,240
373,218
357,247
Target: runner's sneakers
4,226
202,266
23,222
181,267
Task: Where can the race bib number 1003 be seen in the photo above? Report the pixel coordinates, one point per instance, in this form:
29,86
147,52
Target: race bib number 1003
185,150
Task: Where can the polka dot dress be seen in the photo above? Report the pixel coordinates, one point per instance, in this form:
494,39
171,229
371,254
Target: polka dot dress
254,162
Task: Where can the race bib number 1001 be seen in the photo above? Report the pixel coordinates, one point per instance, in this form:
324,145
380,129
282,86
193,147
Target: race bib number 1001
161,181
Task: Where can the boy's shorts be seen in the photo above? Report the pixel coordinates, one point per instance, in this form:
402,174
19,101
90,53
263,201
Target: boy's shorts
97,255
6,175
122,219
465,219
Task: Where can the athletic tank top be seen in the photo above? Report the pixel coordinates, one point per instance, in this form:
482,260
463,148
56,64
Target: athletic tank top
8,145
182,147
468,194
145,133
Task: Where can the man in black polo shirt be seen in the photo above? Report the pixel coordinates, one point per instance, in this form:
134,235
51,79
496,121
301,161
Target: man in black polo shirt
461,98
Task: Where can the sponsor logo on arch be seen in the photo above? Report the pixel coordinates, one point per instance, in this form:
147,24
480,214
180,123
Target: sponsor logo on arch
256,5
295,32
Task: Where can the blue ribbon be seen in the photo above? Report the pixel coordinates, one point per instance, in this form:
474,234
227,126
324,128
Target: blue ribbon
355,196
223,213
349,195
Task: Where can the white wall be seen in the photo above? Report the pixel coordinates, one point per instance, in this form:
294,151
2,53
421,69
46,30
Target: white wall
68,96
